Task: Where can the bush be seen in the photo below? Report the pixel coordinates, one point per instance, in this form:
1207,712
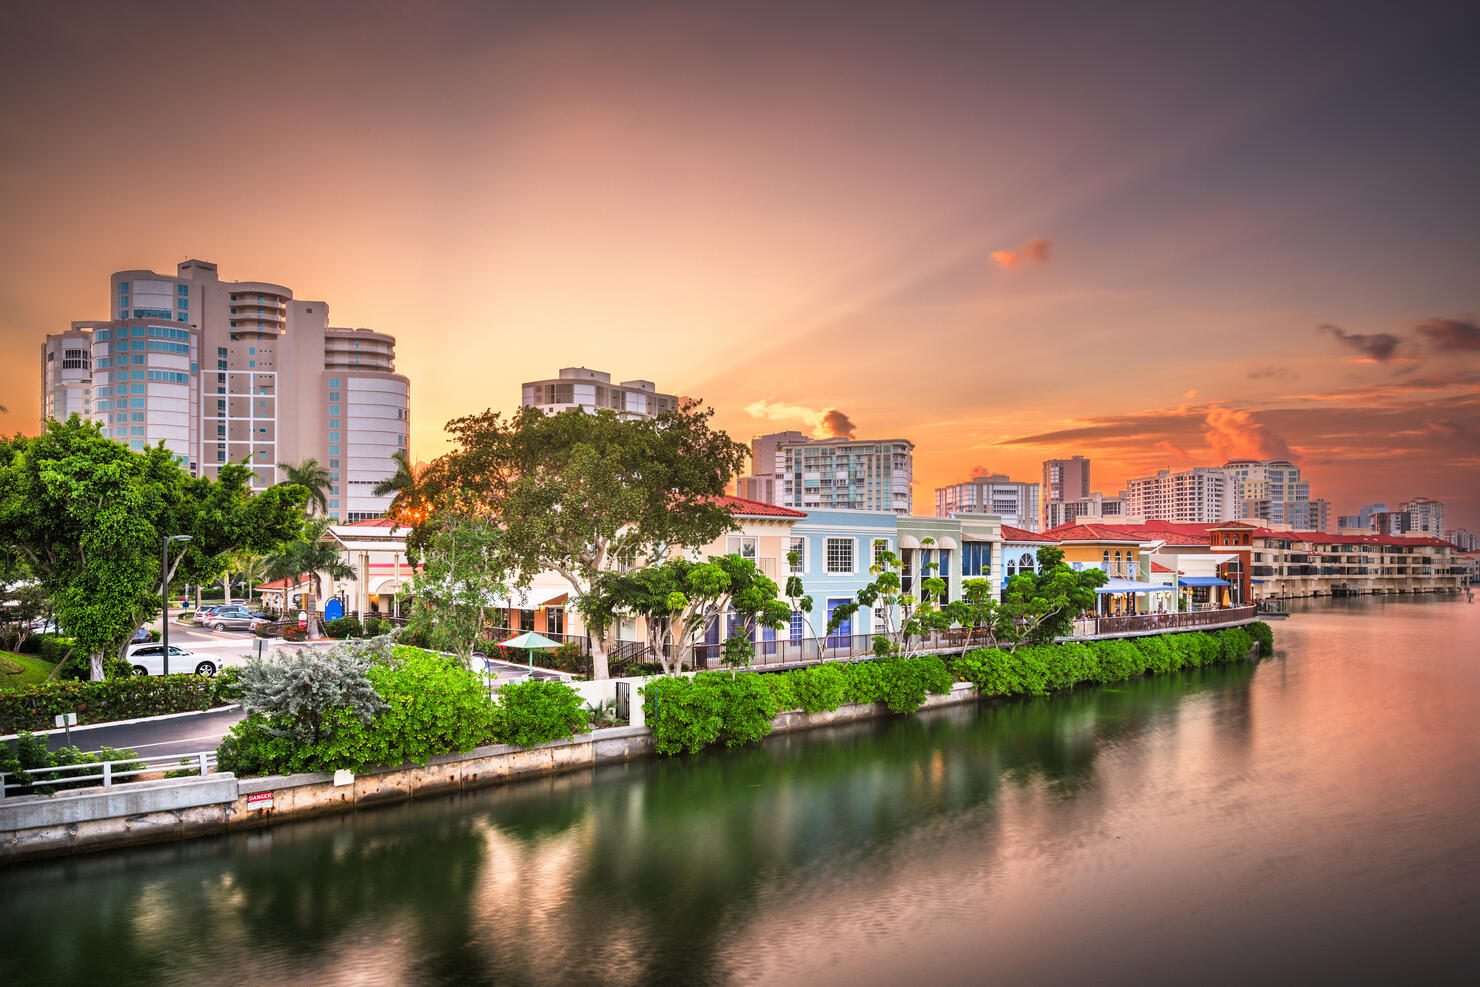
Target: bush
342,627
122,698
27,764
821,687
292,632
995,672
228,685
373,626
1117,660
899,683
689,714
266,630
1264,634
535,712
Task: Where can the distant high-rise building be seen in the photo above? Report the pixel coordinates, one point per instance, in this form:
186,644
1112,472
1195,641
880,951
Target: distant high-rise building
1271,490
1015,502
1064,480
1095,505
593,390
1363,520
1425,514
1462,539
1390,522
224,371
794,470
1201,495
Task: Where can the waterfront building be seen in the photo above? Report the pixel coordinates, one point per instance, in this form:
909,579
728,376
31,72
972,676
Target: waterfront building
1317,563
1064,481
593,390
225,371
1425,515
1013,501
1201,495
794,470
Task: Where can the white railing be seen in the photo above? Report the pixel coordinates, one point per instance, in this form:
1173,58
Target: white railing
106,773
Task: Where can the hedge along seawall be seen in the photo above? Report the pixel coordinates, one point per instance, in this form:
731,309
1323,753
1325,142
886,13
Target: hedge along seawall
688,714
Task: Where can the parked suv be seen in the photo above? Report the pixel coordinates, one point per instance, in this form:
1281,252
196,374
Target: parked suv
203,615
233,618
148,659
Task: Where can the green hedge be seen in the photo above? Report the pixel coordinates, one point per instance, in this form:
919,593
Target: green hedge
1036,671
34,708
342,627
434,706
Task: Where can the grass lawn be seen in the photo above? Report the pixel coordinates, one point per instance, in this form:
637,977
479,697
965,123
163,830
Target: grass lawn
18,670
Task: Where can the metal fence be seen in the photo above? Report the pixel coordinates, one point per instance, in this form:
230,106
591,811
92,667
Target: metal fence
1150,623
106,773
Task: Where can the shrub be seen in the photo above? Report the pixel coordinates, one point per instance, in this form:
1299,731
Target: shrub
373,626
821,687
1117,660
292,632
1155,653
228,685
304,687
266,630
27,764
1264,634
121,698
1067,664
535,712
899,683
342,627
689,714
185,617
783,690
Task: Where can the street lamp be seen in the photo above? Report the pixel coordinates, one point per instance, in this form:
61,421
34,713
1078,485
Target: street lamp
164,589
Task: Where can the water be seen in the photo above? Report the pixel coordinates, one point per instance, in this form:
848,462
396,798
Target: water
1311,818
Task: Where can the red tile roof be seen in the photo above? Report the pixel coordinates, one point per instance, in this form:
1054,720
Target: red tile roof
374,522
1158,567
1009,533
1326,538
281,584
754,508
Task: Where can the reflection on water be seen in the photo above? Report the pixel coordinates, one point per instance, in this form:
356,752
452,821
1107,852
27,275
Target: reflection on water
1314,815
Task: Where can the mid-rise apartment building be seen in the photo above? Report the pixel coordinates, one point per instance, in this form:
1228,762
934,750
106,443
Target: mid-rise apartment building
1271,490
1095,505
1201,495
593,390
226,371
1425,515
1064,480
790,469
1462,539
1016,503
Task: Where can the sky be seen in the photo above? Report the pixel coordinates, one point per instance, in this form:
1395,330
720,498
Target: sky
1155,234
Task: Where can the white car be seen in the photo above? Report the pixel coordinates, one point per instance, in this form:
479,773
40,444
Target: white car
148,659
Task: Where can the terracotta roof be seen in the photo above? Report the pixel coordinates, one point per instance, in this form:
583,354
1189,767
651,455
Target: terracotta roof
755,508
1009,533
1326,538
1158,567
281,584
374,522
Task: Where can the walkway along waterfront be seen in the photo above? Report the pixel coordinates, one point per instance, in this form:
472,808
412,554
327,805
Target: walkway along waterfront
94,818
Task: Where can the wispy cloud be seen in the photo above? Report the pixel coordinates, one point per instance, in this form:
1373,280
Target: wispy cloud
1379,346
1448,335
1037,251
1265,373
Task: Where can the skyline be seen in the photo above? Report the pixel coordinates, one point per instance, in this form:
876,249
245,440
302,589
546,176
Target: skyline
1155,237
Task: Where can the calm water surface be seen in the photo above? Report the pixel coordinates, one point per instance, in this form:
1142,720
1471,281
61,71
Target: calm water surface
1311,818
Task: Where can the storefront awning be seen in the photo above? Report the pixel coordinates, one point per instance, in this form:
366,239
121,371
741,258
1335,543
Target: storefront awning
1202,581
1132,586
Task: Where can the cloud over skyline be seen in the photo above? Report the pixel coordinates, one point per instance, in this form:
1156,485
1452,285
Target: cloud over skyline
1037,251
1379,346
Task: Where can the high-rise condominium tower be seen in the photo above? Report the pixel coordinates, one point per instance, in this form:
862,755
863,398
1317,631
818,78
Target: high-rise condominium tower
794,470
224,371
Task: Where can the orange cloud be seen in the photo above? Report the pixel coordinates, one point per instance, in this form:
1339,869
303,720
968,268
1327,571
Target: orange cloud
1234,434
1036,250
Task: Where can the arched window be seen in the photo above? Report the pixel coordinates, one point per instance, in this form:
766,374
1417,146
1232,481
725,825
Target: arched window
1117,561
1011,568
1025,564
1107,561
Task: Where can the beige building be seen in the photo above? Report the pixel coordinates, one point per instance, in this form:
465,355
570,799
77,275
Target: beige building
790,469
593,390
1014,502
224,371
1201,495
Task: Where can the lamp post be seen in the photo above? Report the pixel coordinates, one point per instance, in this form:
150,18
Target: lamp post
164,588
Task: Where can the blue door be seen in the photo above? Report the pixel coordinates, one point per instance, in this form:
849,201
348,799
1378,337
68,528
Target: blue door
843,636
333,610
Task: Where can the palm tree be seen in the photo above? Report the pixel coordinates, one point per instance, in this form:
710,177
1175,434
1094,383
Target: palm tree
402,483
312,556
310,475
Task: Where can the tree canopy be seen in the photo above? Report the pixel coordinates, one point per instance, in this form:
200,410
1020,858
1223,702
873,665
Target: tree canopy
311,477
89,515
1039,606
582,493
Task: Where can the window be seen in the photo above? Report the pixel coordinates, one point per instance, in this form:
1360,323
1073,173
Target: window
333,383
333,422
333,409
840,555
741,545
799,546
797,624
333,451
976,558
333,436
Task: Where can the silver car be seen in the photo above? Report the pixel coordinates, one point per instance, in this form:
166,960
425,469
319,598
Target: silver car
234,619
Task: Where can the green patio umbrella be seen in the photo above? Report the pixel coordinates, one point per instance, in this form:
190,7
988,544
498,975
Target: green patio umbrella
530,640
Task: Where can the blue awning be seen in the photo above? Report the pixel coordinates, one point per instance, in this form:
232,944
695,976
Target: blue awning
1202,581
1131,586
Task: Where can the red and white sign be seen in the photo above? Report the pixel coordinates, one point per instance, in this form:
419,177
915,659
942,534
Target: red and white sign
259,800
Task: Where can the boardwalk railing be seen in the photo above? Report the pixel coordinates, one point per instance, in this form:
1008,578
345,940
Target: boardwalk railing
106,773
1154,623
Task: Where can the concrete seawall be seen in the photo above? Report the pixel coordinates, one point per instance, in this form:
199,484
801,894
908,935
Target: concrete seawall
38,826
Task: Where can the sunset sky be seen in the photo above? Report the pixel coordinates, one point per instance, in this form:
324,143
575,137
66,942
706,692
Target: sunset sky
1150,233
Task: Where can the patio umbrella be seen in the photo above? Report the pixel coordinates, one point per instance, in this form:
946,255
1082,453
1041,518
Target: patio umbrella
530,640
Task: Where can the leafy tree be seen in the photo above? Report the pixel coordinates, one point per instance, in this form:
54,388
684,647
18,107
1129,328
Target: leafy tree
88,516
681,599
405,507
1039,606
312,477
312,555
583,494
461,576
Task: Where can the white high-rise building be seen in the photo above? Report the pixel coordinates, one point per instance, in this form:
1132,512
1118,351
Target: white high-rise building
593,390
1015,502
794,470
1425,515
223,371
1201,495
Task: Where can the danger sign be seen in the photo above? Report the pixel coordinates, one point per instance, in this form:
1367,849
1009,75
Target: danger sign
259,800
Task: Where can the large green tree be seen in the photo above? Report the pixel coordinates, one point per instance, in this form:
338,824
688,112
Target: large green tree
312,477
582,493
88,514
1039,606
459,580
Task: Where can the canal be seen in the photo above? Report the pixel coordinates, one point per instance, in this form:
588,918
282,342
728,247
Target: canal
1312,817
